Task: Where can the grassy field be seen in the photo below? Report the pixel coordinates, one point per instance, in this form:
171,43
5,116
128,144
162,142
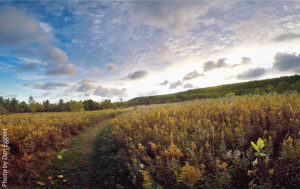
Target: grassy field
35,139
240,142
77,164
231,142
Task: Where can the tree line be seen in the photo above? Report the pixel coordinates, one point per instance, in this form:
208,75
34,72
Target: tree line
14,106
261,87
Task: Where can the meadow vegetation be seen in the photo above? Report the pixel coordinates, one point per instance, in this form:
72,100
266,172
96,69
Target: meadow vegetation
231,142
36,139
248,141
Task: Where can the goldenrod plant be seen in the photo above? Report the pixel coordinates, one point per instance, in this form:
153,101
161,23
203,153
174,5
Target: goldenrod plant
208,143
36,138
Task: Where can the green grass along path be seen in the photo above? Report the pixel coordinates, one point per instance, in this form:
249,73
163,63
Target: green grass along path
77,163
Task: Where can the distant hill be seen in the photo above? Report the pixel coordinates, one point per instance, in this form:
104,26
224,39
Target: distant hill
278,85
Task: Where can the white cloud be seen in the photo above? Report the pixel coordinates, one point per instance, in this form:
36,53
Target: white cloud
192,75
251,73
210,65
85,85
46,86
94,71
110,92
46,27
17,28
56,55
165,82
111,68
175,84
176,16
137,75
188,86
61,69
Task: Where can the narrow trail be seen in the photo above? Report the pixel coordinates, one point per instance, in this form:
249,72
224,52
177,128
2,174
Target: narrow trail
76,165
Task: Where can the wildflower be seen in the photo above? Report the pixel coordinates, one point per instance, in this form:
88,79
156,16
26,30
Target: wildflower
194,147
271,171
174,151
249,173
207,145
147,179
141,147
142,166
237,154
289,140
60,176
229,154
64,180
190,175
153,146
50,178
221,165
267,161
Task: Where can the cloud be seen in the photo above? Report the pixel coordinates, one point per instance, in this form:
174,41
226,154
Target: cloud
192,75
244,61
21,30
94,71
46,94
287,62
110,92
46,27
45,86
256,27
164,82
17,28
164,52
85,85
55,55
211,65
173,15
251,73
111,68
61,69
58,62
175,84
286,37
188,85
27,66
137,75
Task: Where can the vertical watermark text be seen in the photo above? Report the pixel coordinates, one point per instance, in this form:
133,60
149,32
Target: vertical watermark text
4,157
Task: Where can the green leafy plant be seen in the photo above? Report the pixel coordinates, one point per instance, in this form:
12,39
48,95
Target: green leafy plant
50,178
258,148
61,152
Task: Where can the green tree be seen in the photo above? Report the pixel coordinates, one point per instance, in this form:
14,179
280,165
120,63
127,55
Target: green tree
47,106
2,110
23,107
76,106
231,94
14,105
61,106
33,106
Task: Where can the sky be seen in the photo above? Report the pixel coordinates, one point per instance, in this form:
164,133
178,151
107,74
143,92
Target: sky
123,49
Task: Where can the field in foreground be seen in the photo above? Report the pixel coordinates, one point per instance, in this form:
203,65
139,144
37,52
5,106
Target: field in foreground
35,139
241,142
233,142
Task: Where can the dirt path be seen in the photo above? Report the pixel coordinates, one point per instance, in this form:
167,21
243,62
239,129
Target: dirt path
76,165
